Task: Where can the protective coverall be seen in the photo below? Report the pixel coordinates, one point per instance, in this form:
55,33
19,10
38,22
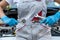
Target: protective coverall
26,10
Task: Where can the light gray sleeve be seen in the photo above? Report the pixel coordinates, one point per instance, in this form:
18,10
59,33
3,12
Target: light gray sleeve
10,2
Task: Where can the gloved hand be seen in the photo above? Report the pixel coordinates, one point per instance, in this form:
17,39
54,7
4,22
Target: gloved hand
9,21
50,20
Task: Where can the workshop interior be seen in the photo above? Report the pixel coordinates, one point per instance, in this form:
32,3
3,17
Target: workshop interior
9,33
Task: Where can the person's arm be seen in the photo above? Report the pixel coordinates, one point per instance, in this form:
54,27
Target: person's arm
58,1
50,20
4,18
3,4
